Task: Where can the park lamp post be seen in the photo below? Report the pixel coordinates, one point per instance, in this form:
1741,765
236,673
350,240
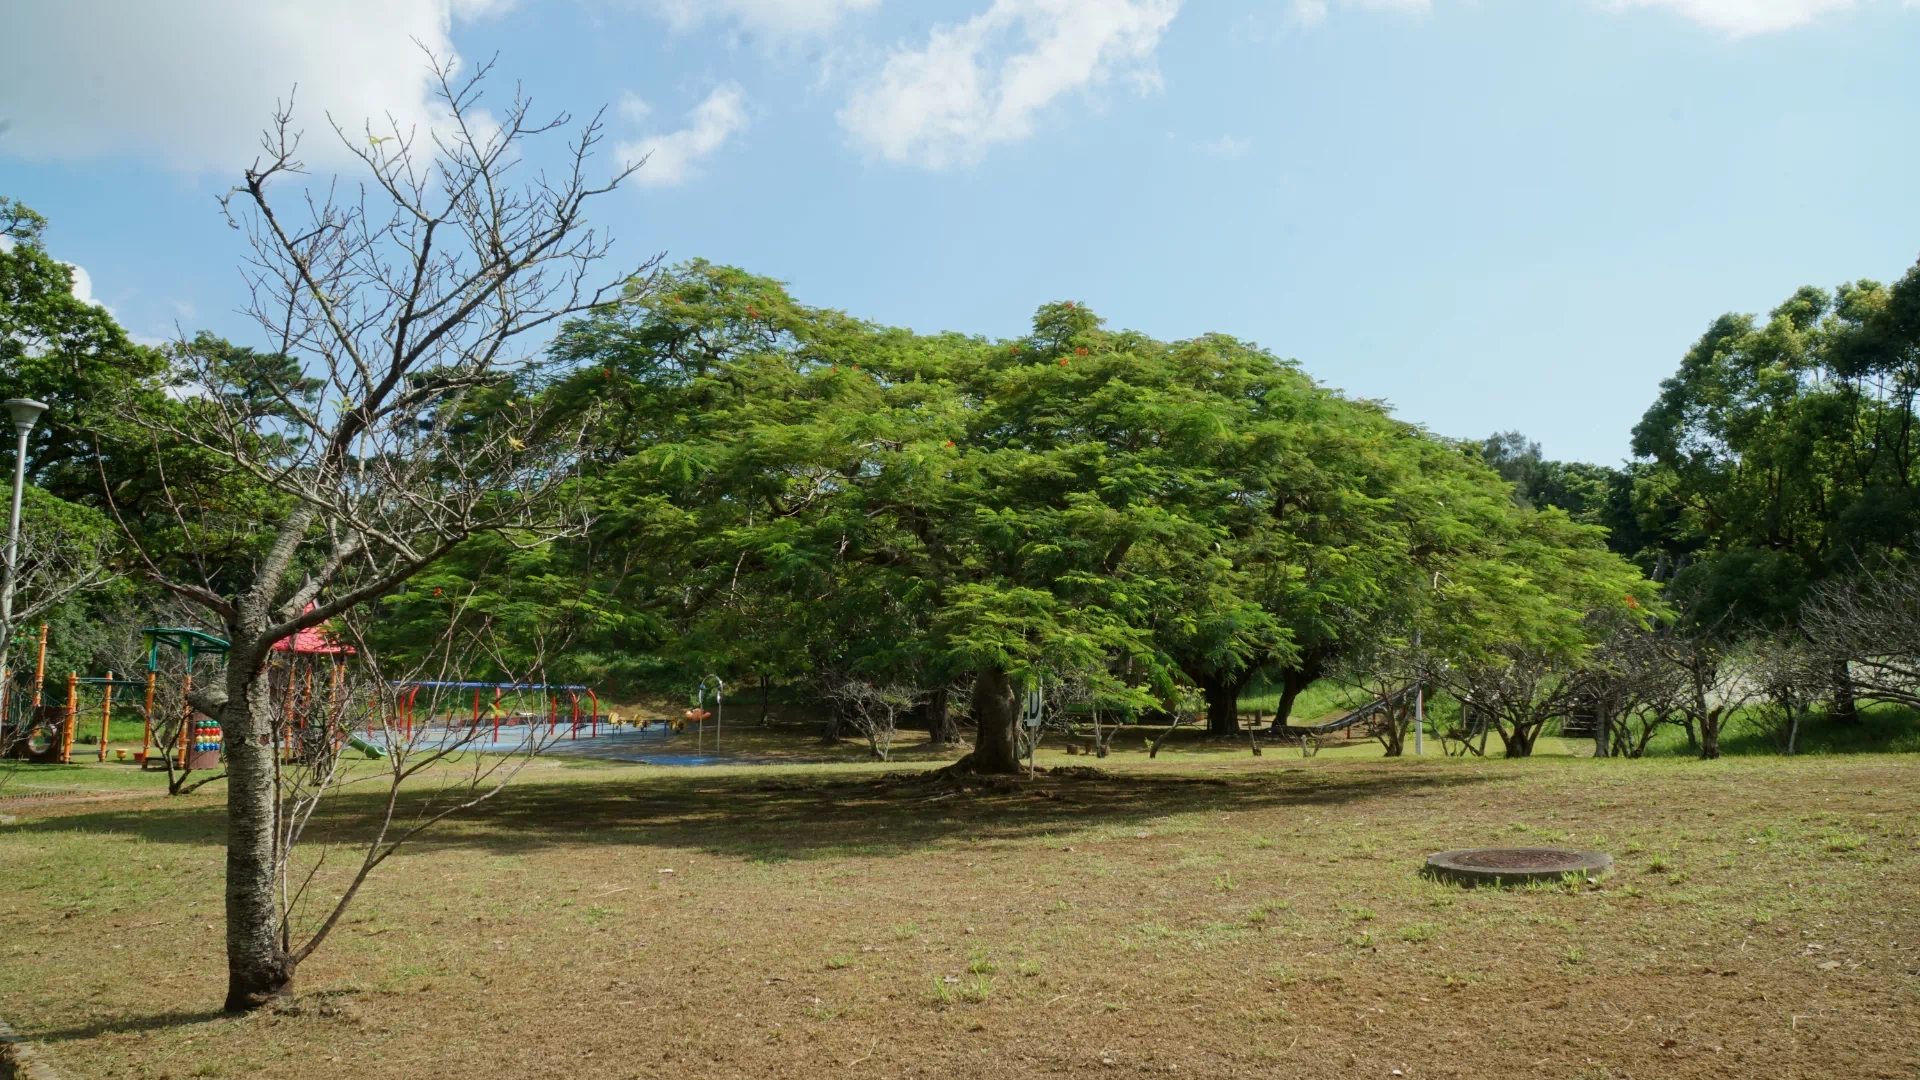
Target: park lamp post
26,412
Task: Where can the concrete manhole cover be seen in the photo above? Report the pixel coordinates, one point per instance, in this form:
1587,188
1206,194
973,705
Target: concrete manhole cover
1510,866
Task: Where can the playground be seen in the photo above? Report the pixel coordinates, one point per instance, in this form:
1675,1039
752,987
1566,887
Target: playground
1199,914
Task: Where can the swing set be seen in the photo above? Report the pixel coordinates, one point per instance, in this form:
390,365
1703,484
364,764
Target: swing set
577,712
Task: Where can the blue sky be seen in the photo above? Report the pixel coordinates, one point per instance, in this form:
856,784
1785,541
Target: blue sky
1492,213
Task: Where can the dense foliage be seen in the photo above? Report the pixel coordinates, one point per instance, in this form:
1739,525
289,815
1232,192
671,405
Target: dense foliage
785,493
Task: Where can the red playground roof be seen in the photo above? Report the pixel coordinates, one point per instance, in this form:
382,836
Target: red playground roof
312,640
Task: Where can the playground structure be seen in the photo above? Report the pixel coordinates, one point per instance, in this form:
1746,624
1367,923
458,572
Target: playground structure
311,711
698,715
307,675
189,740
449,719
22,717
44,733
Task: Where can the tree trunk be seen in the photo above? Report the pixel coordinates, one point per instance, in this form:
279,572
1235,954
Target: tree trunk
941,730
1842,707
1520,740
765,698
258,967
1292,681
995,749
1710,735
1393,732
1223,704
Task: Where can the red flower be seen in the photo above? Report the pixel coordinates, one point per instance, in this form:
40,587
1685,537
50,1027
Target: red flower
1069,303
1014,349
752,312
436,591
1080,352
949,444
1063,361
1632,603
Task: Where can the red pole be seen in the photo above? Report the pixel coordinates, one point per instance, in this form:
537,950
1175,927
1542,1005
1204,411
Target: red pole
596,712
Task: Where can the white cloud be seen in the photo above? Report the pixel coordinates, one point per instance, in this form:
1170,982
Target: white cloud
83,285
634,107
1314,12
1735,17
1741,17
968,89
1228,146
674,158
777,17
192,82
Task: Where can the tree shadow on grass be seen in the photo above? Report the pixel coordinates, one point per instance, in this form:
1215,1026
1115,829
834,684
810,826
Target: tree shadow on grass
127,1026
771,818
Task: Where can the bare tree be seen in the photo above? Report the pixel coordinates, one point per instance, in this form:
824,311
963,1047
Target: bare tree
873,708
1713,686
407,298
402,730
1517,690
1867,626
1387,665
56,561
1635,688
1788,672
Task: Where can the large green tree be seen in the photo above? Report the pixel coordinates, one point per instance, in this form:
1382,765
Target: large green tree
1786,449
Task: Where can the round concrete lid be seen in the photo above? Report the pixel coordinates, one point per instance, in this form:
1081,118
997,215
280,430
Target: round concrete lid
1508,866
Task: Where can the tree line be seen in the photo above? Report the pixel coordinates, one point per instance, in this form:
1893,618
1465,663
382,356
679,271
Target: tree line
781,492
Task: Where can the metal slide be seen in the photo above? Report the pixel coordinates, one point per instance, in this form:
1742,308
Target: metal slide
1363,713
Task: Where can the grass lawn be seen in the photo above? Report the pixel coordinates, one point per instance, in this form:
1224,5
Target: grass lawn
1206,914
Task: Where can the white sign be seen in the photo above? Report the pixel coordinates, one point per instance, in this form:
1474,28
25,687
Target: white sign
1036,708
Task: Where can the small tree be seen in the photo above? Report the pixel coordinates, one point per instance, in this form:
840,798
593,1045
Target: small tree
1868,627
427,765
406,301
1518,691
62,553
1634,687
1713,687
873,708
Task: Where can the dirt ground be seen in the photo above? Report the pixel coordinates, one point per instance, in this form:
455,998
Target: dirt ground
1199,915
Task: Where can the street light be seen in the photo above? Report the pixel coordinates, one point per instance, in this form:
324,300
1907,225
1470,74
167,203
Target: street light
26,412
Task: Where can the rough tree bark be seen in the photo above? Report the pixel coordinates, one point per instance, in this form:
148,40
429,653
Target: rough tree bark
995,749
941,730
1842,705
258,967
1292,681
400,303
1223,703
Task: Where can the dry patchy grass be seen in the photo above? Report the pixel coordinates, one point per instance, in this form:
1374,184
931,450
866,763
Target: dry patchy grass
1198,915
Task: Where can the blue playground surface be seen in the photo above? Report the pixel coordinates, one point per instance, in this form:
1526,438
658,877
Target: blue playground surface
658,745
